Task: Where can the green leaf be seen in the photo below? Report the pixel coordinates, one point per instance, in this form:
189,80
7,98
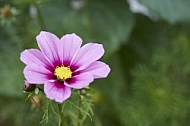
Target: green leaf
45,117
85,112
173,11
11,71
106,22
160,88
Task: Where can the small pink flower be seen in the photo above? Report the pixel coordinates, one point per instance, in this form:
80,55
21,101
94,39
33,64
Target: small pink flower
63,64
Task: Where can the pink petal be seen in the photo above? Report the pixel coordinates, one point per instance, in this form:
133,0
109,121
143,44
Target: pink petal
37,74
48,44
98,69
79,81
88,54
56,91
70,45
34,56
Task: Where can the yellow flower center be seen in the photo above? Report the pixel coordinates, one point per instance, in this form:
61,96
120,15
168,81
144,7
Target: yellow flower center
62,73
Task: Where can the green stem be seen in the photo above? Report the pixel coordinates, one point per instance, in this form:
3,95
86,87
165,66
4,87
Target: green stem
78,112
39,16
62,119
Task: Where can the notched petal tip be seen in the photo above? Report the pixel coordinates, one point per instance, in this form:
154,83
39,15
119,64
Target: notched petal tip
36,74
70,44
49,46
72,34
22,58
88,54
24,55
71,38
33,56
98,69
107,70
44,32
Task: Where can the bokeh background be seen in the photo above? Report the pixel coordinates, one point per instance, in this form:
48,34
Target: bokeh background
147,45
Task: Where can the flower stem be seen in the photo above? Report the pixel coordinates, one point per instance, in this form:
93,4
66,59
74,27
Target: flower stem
62,119
39,16
78,113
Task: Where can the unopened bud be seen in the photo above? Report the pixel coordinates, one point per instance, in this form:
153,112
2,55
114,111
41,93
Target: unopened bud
83,92
36,101
28,87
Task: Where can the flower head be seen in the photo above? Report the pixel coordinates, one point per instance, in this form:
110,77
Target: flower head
8,14
63,64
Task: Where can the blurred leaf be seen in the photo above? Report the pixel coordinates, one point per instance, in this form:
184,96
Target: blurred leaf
114,91
106,22
160,88
11,70
173,11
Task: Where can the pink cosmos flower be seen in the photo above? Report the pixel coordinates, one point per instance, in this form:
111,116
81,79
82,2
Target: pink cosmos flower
63,64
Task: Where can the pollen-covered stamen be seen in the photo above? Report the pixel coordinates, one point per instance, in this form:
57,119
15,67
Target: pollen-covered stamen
62,73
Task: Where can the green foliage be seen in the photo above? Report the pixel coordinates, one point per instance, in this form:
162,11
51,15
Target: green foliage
79,108
11,78
173,11
150,63
93,21
45,117
160,88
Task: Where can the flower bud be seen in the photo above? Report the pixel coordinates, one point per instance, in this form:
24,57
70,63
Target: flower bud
36,101
83,92
28,87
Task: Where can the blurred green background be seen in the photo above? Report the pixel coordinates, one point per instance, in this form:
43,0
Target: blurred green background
147,45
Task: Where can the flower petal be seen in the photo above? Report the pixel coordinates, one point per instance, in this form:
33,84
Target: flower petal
56,91
87,54
71,43
48,44
79,81
34,56
37,74
98,69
